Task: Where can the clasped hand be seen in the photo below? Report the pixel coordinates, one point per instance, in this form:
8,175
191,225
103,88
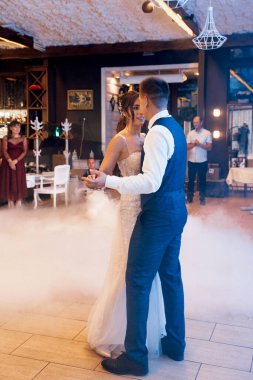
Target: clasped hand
12,164
96,180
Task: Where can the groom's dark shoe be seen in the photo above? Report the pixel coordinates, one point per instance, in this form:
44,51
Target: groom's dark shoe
173,354
124,365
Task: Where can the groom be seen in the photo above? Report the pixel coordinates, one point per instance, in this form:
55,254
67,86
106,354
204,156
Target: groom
156,238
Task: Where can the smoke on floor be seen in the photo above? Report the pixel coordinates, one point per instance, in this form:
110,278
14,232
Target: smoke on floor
47,252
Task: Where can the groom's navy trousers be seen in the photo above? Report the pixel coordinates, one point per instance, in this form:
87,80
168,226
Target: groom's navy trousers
154,247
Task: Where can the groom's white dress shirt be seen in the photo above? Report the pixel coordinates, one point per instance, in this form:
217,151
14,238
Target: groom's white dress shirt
158,148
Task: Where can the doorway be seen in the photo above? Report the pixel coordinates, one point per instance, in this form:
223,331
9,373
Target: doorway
182,80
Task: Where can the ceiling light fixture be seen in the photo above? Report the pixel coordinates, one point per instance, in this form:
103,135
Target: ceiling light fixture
209,38
148,6
175,4
169,78
116,75
174,16
12,43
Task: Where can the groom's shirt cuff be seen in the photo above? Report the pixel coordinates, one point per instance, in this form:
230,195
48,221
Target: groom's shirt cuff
137,184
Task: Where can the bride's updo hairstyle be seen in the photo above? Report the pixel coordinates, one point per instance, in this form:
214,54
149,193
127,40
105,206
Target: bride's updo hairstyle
126,102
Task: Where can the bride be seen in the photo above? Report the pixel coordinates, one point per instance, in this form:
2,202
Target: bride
107,322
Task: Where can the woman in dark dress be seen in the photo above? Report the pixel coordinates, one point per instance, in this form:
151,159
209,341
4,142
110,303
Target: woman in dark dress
12,172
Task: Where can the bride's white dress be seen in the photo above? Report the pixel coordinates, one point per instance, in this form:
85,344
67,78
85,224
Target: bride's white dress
107,322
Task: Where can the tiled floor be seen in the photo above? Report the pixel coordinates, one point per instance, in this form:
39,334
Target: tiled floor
48,341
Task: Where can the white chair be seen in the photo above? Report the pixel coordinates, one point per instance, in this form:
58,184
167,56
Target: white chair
54,185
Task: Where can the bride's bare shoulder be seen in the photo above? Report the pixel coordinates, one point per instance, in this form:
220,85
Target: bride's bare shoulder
119,138
117,142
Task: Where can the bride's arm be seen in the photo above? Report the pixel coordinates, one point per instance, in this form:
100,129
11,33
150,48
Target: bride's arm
112,154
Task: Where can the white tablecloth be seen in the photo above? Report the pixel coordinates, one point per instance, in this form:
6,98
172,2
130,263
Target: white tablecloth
34,179
241,175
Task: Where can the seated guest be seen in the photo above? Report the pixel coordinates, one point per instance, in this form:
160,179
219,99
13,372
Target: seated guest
91,163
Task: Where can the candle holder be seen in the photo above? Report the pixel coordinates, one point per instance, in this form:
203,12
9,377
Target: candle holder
66,135
37,135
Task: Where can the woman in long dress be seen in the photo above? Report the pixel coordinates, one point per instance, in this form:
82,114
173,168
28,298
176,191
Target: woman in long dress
12,172
107,322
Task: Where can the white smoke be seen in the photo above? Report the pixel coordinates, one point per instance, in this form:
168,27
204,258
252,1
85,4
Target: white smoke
47,252
217,262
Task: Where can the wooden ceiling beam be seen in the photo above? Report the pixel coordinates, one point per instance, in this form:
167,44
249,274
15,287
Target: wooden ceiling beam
13,36
121,48
237,40
98,49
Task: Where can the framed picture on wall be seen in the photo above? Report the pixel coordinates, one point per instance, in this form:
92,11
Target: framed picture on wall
80,99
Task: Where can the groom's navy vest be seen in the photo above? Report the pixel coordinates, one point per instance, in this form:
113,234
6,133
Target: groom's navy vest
174,176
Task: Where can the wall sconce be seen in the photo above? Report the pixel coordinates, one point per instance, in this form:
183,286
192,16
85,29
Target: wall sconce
117,75
216,134
216,112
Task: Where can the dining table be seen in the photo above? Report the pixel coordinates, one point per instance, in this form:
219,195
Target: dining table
240,176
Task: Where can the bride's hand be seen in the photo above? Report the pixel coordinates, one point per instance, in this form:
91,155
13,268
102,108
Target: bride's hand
91,176
96,180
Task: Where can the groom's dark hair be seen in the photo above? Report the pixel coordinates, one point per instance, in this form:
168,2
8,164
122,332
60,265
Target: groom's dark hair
156,90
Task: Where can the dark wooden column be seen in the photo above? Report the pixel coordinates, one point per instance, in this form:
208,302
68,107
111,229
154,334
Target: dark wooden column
173,99
202,83
215,96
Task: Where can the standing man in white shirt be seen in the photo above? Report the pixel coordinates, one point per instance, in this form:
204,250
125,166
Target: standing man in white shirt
156,238
199,141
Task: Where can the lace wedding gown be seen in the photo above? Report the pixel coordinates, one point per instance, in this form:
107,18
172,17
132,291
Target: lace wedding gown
107,322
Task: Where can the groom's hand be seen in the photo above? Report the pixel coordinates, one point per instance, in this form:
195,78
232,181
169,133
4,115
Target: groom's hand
98,182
